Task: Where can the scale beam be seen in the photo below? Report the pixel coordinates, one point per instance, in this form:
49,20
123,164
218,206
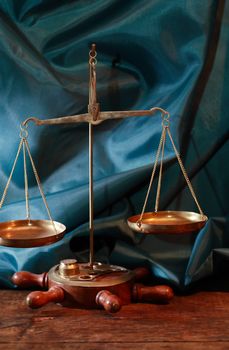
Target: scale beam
100,117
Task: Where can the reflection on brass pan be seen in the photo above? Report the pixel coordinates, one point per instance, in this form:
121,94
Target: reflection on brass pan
33,233
167,222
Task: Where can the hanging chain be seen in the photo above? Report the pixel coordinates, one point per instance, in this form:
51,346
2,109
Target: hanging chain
24,143
152,177
11,174
26,183
160,171
92,77
185,174
39,184
165,126
160,151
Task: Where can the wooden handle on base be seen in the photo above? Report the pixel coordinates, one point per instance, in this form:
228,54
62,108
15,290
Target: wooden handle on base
38,299
156,294
26,279
110,302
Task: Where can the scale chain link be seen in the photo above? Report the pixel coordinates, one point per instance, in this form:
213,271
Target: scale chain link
92,77
39,184
160,171
185,174
26,183
11,174
152,176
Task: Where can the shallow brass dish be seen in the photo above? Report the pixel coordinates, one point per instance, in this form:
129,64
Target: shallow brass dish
25,234
167,222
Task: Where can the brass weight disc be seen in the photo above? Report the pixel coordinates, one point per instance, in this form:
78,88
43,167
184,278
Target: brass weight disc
33,233
167,222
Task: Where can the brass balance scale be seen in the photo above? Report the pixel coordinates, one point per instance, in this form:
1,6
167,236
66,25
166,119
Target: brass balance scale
94,284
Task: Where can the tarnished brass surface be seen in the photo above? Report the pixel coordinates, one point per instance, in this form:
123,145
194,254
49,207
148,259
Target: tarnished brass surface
33,233
100,275
88,117
68,268
167,222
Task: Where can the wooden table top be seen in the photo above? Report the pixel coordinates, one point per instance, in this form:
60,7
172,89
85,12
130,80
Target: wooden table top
197,321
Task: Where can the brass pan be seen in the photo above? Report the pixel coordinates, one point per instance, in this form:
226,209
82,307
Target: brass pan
33,233
167,222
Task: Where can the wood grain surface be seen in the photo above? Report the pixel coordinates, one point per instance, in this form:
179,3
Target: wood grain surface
197,321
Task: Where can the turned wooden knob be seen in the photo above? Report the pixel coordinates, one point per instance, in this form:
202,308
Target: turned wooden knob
156,294
108,301
38,298
26,279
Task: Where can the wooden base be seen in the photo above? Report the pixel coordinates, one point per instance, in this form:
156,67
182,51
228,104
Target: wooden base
109,290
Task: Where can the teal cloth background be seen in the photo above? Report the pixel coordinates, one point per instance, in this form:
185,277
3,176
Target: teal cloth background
172,54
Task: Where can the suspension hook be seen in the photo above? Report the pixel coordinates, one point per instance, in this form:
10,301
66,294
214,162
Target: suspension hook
23,131
92,55
165,119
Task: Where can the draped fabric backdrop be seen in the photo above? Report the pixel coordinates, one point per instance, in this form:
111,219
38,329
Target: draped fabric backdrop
172,54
